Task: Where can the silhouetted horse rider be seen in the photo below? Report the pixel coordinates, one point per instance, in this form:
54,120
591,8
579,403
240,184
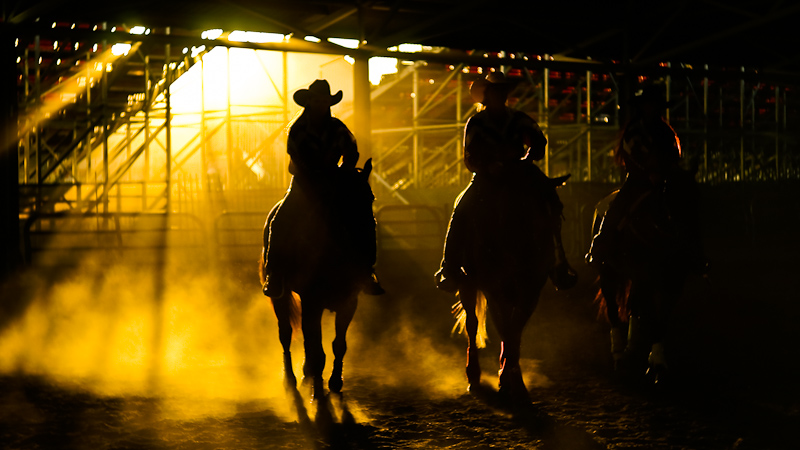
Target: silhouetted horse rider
650,151
500,145
323,161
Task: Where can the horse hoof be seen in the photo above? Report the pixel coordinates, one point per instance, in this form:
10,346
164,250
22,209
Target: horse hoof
335,384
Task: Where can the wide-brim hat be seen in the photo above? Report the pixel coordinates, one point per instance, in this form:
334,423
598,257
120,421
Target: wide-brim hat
496,79
319,88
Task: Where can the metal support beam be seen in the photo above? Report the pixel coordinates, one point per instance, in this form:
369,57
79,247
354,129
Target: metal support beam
362,106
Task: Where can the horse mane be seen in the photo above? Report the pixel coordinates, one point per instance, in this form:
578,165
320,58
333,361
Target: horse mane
461,319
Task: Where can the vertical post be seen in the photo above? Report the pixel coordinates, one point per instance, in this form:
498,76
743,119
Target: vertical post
415,138
37,93
88,141
741,127
104,122
546,114
203,130
459,128
362,106
229,129
777,131
10,244
589,124
168,124
668,88
26,83
147,103
705,124
285,88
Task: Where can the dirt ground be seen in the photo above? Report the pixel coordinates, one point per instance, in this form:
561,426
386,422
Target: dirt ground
122,357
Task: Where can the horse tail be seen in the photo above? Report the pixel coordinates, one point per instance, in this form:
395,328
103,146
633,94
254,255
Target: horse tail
620,303
461,319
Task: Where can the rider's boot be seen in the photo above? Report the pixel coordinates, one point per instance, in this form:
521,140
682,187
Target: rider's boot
273,284
563,275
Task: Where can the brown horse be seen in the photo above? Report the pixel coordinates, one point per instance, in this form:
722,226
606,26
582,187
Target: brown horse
321,273
658,248
510,256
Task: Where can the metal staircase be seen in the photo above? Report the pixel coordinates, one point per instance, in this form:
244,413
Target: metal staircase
88,115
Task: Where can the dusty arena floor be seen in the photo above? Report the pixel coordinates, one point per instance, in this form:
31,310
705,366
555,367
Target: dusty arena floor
179,357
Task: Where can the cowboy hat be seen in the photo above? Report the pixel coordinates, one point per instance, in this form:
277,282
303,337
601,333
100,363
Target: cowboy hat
319,88
478,87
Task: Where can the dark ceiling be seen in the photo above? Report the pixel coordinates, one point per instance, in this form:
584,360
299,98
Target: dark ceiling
758,35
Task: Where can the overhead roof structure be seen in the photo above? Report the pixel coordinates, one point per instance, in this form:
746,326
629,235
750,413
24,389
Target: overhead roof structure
727,35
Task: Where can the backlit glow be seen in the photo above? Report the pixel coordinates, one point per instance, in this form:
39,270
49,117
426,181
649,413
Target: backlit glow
346,43
255,37
211,34
310,38
380,66
120,49
410,48
138,30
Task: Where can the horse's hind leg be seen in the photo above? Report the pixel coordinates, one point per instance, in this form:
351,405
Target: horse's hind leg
283,312
343,318
469,298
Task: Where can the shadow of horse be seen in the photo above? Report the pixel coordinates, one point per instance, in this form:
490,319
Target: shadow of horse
640,285
333,425
322,274
509,259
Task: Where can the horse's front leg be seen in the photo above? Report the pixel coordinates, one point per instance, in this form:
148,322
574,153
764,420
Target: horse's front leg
510,322
343,318
469,299
283,312
314,363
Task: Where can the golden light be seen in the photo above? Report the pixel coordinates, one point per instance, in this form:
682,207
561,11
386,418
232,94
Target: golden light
343,42
211,34
138,30
410,48
380,66
197,50
314,39
120,49
255,37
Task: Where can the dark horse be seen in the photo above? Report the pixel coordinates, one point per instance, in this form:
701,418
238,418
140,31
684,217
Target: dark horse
509,259
657,250
322,274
